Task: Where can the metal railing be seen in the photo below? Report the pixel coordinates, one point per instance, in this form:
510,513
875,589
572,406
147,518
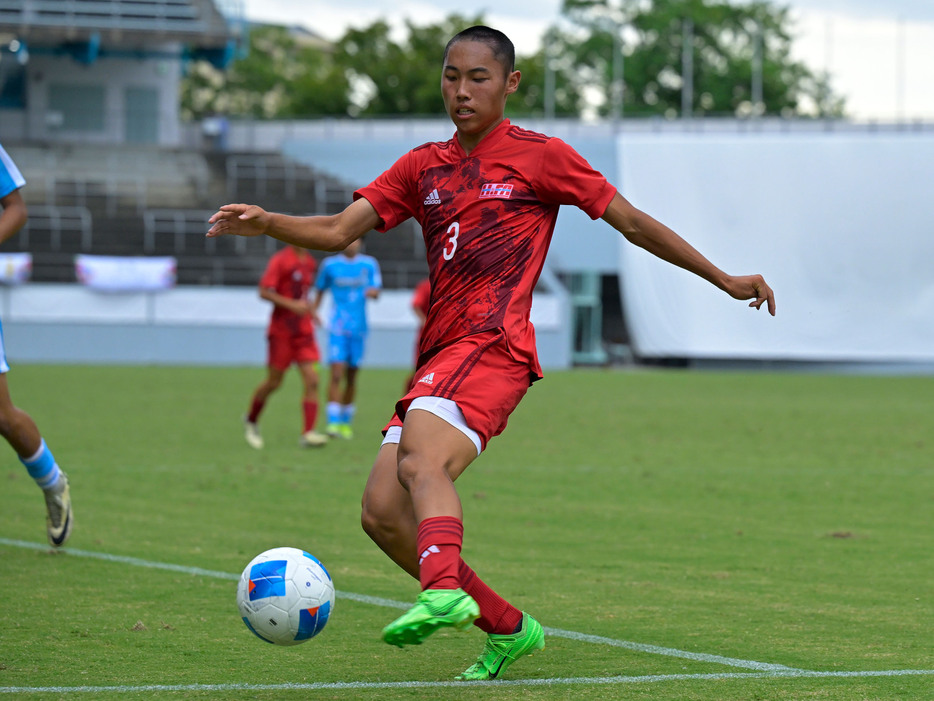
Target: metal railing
57,221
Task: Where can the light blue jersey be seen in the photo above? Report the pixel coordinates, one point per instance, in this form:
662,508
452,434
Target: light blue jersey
10,177
10,180
348,279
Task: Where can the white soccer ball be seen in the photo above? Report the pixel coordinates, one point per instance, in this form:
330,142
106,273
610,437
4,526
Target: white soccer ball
285,596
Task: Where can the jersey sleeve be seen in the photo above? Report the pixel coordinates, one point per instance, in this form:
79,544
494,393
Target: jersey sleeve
375,275
270,278
565,177
10,177
391,193
322,279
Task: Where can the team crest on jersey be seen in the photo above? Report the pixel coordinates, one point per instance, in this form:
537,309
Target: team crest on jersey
499,191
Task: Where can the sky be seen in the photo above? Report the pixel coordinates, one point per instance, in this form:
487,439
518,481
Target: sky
879,53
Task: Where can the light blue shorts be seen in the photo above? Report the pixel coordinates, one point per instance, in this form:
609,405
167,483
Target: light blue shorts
346,349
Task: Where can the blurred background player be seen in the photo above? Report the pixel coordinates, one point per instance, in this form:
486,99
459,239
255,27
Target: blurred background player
16,426
291,339
421,300
352,277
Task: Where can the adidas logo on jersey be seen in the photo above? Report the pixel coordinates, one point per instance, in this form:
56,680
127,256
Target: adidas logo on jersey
433,197
428,379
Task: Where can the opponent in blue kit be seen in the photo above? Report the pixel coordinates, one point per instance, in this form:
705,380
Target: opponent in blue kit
16,426
353,278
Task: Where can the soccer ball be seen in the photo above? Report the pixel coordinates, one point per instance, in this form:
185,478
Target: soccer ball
285,596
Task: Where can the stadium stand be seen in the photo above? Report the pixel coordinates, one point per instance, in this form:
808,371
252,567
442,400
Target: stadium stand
128,200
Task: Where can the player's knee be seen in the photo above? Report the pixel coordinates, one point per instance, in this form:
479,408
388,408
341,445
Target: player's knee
412,468
377,523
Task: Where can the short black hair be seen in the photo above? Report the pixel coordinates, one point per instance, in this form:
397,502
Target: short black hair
500,44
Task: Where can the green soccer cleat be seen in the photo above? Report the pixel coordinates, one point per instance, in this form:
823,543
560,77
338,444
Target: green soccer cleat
333,430
434,608
346,431
500,651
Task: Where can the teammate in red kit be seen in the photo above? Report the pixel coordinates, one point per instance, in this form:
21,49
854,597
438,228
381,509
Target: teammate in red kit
286,282
421,301
487,201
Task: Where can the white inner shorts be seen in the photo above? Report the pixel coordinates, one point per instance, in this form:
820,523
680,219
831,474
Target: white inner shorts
446,409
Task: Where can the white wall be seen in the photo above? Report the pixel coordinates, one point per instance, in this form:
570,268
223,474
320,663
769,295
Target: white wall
839,225
51,323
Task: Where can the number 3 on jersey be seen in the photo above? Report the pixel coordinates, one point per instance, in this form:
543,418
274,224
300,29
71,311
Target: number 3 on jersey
451,244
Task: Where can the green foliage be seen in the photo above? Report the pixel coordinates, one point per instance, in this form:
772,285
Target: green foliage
727,39
283,75
368,72
396,79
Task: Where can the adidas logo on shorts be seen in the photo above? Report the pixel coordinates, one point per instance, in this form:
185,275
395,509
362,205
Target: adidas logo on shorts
428,379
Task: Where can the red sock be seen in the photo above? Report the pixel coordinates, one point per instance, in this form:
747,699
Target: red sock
255,408
439,546
310,411
496,614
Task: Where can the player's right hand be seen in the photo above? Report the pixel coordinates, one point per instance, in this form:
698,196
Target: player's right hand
239,220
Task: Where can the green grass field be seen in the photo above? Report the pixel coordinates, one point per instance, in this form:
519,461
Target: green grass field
682,535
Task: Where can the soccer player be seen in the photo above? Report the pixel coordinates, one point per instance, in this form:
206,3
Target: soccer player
353,278
16,426
290,339
487,201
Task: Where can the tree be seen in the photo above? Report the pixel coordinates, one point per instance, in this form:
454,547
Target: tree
393,79
725,42
283,75
369,73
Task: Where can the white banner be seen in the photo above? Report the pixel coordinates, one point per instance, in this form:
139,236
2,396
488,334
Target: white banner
838,223
15,268
125,274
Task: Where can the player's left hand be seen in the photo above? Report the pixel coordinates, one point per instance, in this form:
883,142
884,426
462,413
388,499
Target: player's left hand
239,220
752,287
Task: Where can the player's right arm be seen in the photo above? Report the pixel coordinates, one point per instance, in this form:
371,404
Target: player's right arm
13,215
301,307
319,232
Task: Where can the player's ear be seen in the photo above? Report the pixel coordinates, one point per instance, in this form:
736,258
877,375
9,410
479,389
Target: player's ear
512,82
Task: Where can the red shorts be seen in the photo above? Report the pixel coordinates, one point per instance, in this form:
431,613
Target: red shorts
285,350
479,374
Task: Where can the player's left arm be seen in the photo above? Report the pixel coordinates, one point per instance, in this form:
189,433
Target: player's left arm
375,283
656,238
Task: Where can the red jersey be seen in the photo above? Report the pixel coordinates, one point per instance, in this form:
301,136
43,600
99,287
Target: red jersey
290,274
487,219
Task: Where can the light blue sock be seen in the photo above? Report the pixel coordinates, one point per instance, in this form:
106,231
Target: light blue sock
43,468
334,412
348,411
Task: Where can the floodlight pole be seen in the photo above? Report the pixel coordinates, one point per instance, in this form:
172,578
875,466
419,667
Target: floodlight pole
687,68
758,108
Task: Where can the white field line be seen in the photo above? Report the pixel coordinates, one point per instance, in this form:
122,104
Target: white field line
763,670
557,681
390,603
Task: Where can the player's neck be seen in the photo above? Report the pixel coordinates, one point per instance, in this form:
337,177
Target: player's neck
469,140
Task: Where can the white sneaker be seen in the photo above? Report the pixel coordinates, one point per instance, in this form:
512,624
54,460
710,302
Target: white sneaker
251,433
312,439
58,518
